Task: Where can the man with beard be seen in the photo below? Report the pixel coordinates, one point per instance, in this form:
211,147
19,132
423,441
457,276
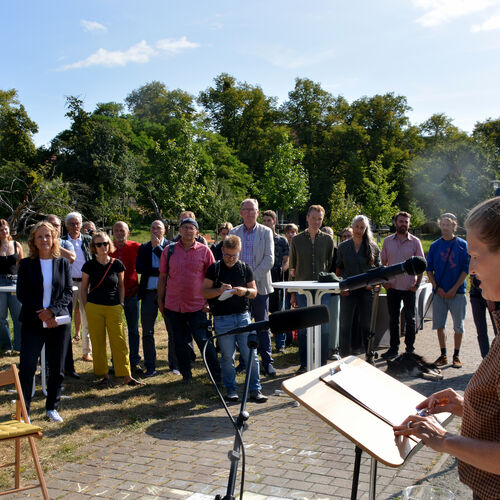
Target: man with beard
399,247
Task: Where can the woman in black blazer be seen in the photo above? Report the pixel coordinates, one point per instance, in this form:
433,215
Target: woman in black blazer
44,288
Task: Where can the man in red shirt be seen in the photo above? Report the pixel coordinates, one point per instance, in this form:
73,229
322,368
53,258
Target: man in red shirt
127,251
180,298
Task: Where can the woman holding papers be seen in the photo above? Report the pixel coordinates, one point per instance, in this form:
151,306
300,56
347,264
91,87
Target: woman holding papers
44,288
478,446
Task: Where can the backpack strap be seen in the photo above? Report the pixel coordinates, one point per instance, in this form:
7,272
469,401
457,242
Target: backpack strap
171,248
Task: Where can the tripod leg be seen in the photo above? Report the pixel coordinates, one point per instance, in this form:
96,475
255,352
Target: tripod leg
355,476
373,323
234,454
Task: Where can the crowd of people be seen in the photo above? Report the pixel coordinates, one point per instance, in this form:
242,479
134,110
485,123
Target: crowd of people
184,279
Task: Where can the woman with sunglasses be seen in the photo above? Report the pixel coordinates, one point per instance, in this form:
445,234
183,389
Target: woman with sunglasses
103,293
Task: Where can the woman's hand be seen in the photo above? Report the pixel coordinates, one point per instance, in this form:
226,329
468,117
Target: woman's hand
45,314
446,400
48,317
428,429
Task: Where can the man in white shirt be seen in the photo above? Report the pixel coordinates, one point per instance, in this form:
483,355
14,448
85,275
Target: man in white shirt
81,244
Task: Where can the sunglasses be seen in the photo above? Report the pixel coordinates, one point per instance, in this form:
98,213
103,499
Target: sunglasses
102,244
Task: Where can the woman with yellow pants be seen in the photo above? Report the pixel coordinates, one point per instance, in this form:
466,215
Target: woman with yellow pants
103,293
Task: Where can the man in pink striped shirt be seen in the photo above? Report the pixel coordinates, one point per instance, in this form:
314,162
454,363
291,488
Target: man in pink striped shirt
397,248
180,299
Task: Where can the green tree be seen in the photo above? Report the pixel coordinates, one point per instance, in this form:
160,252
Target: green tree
380,194
27,194
16,129
155,103
175,177
246,117
96,156
285,184
343,207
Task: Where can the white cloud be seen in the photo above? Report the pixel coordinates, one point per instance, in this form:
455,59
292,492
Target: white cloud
493,23
92,26
442,11
139,53
175,46
286,58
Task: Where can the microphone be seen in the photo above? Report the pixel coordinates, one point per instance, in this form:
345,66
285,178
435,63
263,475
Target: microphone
414,265
285,321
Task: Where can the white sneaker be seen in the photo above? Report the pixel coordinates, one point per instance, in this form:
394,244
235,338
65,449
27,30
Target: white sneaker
54,416
176,372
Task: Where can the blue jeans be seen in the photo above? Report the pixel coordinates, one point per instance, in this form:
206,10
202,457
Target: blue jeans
259,308
227,347
9,302
479,309
131,309
302,302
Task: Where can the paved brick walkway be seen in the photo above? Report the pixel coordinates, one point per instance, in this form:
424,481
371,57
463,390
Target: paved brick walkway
291,454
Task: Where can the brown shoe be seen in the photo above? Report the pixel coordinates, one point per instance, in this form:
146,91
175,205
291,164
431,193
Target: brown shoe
442,360
87,357
456,362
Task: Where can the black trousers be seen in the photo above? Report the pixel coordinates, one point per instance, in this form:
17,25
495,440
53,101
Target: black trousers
358,302
394,298
56,341
186,327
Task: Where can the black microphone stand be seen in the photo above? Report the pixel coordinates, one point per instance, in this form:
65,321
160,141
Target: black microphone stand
370,353
234,454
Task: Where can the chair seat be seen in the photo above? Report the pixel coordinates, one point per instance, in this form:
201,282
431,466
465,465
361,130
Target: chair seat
14,428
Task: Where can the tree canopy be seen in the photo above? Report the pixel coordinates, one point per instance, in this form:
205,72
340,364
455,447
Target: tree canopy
162,150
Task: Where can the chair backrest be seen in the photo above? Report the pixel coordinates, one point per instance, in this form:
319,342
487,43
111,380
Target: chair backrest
10,376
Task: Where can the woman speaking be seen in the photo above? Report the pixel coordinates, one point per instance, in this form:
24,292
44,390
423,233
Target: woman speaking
44,288
478,446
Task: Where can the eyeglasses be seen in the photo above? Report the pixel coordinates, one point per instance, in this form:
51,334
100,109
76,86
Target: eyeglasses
231,256
102,244
75,223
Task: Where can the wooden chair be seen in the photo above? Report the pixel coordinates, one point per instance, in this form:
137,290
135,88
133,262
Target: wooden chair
17,430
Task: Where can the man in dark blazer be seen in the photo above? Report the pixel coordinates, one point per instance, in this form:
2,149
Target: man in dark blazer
81,244
148,262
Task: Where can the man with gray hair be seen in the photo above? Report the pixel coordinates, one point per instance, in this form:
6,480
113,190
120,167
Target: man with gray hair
257,250
81,245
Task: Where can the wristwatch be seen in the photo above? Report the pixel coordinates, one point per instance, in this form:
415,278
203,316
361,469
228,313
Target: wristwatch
247,293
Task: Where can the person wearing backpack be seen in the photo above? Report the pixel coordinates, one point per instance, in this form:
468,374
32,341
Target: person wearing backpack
232,276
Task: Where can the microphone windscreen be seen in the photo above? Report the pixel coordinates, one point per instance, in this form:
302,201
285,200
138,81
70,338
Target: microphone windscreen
415,265
296,319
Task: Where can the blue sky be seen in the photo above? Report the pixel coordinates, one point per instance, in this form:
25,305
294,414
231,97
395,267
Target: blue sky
443,55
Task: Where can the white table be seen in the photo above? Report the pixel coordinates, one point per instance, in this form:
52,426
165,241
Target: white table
313,333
